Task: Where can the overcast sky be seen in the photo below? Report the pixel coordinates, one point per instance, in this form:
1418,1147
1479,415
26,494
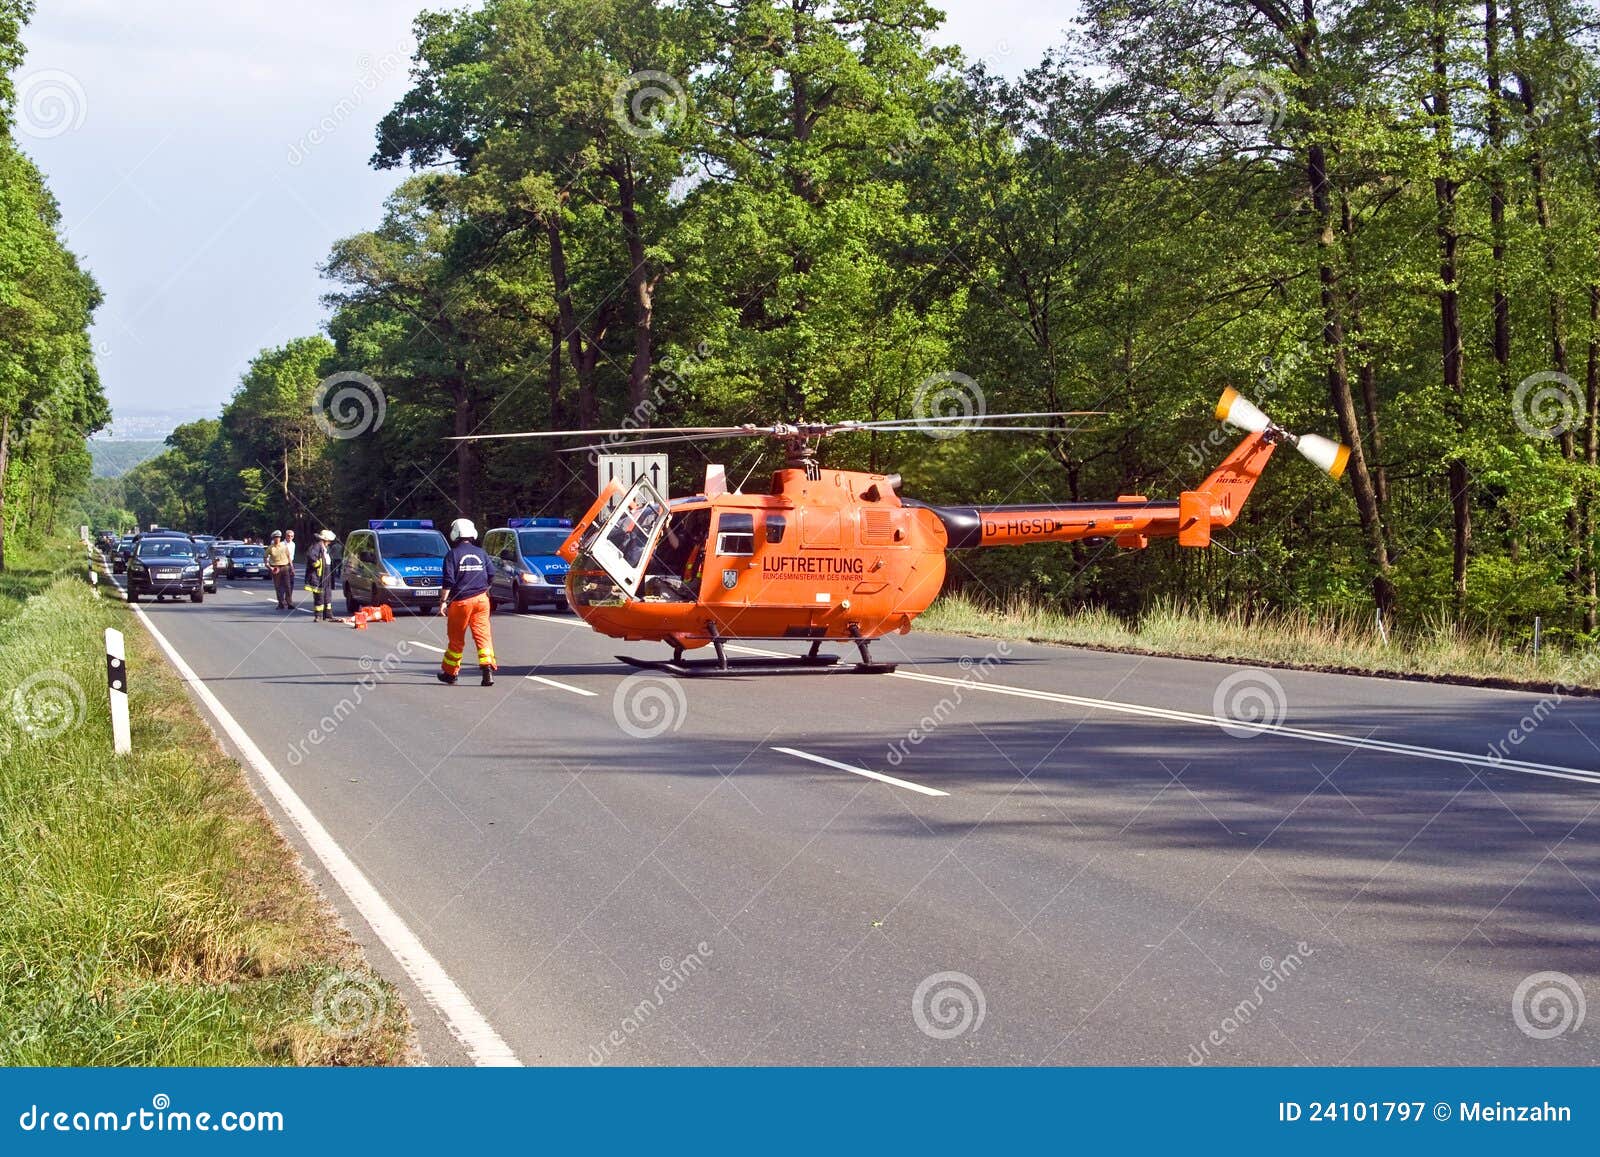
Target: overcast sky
206,155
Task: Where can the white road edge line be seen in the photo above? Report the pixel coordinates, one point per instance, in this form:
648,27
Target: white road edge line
562,686
483,1044
1553,771
877,775
427,646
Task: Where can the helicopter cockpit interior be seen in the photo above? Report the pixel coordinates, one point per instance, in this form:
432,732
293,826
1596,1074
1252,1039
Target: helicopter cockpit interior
675,567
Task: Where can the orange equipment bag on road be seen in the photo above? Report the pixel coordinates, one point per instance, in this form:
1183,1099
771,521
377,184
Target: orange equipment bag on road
366,615
463,615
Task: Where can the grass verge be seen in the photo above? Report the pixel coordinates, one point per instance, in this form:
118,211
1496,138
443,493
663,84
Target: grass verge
150,914
1291,639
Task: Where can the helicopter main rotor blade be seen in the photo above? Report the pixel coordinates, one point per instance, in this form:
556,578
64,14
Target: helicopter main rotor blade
635,430
745,432
888,422
771,433
973,429
662,435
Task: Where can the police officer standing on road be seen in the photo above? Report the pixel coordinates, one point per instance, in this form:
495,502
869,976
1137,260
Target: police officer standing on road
464,601
319,577
280,562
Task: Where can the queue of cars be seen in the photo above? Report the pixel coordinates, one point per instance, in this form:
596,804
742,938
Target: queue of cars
166,563
396,562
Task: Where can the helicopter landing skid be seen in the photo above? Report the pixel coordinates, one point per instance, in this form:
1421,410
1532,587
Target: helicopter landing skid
761,664
694,668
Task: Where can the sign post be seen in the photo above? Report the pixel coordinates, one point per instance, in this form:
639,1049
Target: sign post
117,683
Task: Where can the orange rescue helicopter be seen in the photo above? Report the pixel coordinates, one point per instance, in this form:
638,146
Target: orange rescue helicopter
838,554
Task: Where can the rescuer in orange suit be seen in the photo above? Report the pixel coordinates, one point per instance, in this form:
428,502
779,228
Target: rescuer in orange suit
464,601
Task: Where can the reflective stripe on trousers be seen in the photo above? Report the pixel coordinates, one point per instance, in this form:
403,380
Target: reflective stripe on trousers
465,615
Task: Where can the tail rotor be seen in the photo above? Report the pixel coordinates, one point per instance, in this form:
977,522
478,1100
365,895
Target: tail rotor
1325,454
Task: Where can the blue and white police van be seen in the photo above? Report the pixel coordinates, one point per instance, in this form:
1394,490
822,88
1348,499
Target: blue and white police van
525,570
397,562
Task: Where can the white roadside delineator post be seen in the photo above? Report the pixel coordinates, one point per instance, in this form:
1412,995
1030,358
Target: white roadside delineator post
117,683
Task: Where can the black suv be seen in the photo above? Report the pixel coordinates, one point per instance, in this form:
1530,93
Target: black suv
163,565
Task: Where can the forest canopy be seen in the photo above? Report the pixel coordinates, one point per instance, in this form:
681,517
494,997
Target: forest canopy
1379,220
50,396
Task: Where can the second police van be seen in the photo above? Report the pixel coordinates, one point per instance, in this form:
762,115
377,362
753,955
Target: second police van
397,562
525,570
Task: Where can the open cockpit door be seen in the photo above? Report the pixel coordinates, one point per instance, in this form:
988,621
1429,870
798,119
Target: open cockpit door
580,535
623,543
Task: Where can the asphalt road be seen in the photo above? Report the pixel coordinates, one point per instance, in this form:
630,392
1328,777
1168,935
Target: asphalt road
632,869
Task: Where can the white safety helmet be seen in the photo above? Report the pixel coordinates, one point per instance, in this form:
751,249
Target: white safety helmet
462,528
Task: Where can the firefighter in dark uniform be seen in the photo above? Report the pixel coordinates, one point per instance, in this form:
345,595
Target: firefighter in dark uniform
319,577
464,601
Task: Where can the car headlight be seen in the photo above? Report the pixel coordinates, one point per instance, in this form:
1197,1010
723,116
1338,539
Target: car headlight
532,578
390,580
191,570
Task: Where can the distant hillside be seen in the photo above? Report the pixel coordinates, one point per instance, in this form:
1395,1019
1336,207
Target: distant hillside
114,459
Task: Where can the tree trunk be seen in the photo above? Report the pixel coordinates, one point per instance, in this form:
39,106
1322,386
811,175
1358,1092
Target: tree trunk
1333,340
1444,192
1556,302
1366,374
642,286
467,454
553,376
1302,41
583,359
1501,342
1591,456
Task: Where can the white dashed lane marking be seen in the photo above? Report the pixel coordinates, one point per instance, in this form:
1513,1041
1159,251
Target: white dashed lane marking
877,775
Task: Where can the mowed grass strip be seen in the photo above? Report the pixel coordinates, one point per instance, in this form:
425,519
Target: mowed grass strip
150,914
1294,639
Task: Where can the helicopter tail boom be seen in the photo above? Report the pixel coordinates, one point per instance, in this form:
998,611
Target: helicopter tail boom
1132,520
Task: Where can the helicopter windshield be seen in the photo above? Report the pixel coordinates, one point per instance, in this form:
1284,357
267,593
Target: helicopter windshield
612,565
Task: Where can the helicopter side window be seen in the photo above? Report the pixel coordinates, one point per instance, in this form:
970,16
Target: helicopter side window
776,524
736,535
